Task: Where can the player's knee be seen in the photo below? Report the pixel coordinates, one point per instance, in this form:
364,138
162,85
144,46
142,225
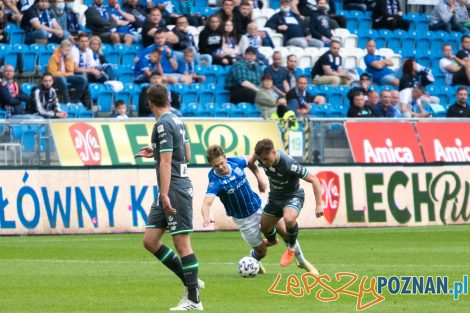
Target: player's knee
265,229
150,245
290,219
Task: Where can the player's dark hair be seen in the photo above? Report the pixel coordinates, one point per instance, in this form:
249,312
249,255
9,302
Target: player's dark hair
264,146
213,152
158,95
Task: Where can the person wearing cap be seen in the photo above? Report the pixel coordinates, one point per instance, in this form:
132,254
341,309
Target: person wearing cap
363,85
244,78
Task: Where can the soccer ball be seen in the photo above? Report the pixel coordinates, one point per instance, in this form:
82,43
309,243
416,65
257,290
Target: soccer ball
248,267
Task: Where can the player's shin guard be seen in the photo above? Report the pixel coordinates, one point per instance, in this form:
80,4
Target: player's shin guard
271,236
292,235
254,255
190,269
170,260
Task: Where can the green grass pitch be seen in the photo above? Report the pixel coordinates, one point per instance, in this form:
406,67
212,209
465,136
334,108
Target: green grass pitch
113,273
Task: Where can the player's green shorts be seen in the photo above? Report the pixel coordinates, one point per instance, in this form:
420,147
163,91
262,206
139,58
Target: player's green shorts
275,207
182,221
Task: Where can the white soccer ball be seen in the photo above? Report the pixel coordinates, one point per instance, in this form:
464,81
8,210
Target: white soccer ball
248,267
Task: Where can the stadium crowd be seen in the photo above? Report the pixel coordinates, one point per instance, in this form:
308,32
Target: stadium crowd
320,58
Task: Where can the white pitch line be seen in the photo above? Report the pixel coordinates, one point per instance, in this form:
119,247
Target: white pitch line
344,265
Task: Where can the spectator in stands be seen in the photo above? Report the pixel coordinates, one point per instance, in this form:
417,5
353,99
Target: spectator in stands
39,25
210,40
267,99
388,14
11,10
180,38
45,100
456,71
320,25
253,39
372,98
385,108
84,61
307,7
460,108
187,69
395,98
67,19
411,105
137,10
359,5
464,53
242,17
62,68
244,78
11,96
120,110
443,17
291,26
24,5
125,22
278,74
152,24
146,67
363,85
299,100
291,65
328,70
461,15
359,108
230,47
101,22
185,7
169,62
411,76
100,60
3,24
226,12
379,67
144,109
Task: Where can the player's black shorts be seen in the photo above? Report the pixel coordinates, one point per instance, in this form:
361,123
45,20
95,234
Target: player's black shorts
182,221
275,207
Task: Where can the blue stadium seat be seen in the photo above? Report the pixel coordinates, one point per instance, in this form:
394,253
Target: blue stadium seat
43,60
222,96
51,47
16,37
190,110
11,58
86,114
29,62
95,89
127,57
105,100
188,96
134,91
124,96
26,88
37,47
112,57
408,43
394,42
28,141
206,96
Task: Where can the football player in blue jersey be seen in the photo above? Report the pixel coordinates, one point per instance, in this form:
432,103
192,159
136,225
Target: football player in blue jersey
228,181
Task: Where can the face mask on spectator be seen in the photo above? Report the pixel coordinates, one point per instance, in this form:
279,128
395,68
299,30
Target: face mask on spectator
70,5
60,6
285,9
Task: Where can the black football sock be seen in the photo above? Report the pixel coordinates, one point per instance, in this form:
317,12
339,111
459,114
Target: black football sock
271,236
292,235
190,269
170,260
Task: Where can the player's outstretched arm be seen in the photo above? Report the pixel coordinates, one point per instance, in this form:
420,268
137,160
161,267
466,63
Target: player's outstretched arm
206,206
145,152
312,179
165,177
255,170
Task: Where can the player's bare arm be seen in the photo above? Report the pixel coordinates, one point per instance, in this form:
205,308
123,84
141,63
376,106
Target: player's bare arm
165,176
206,206
262,185
145,152
187,151
312,179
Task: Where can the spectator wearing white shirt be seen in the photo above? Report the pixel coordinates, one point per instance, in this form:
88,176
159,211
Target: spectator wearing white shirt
84,61
411,102
456,71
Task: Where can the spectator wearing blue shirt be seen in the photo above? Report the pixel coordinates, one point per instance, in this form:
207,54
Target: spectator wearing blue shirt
279,75
385,108
146,66
379,67
328,69
186,68
125,23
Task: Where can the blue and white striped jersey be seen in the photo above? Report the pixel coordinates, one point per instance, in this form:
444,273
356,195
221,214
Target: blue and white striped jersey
234,190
